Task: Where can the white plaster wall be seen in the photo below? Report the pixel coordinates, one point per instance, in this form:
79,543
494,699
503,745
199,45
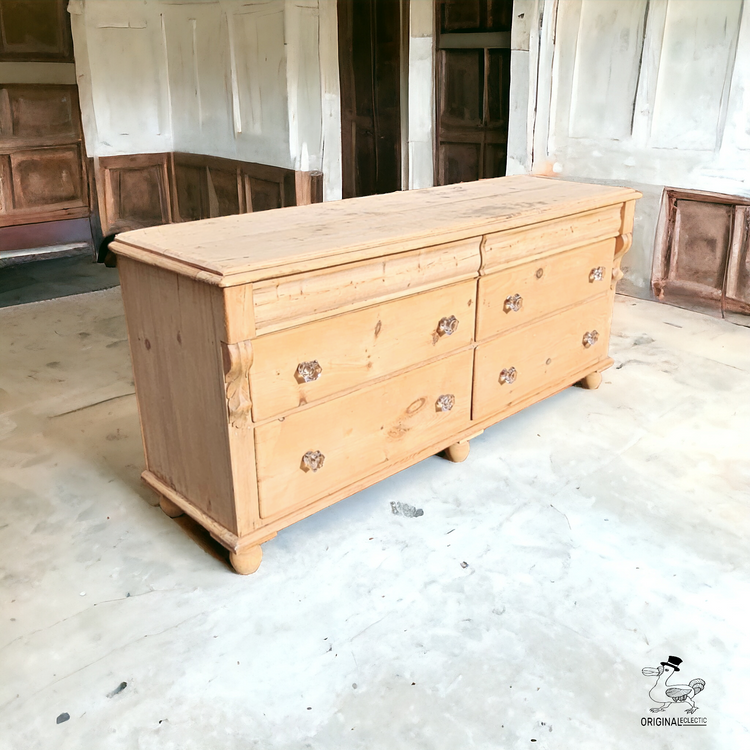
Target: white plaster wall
331,100
647,94
122,76
250,80
421,115
228,79
523,56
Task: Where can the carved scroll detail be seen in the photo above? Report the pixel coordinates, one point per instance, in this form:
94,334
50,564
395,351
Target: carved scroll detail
622,245
238,358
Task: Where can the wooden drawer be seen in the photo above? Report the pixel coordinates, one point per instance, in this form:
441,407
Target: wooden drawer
522,363
546,238
532,290
357,347
293,300
360,432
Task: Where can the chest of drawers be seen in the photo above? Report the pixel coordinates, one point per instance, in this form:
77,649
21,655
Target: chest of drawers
285,360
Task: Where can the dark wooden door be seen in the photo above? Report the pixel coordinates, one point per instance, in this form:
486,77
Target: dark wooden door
473,88
370,69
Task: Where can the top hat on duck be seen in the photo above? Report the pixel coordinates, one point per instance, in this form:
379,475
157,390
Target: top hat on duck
674,662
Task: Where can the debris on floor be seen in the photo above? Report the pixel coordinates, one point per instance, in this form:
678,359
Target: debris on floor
117,690
404,509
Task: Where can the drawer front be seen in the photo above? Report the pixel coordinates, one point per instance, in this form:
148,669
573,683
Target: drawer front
513,367
530,291
550,237
352,349
359,433
302,298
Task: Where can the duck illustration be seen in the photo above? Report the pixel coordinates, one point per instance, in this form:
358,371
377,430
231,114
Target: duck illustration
666,694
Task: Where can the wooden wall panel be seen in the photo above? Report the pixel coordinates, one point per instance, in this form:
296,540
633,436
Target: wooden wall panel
148,189
700,244
701,259
262,194
42,112
6,196
42,160
134,191
35,30
224,190
45,179
737,290
191,192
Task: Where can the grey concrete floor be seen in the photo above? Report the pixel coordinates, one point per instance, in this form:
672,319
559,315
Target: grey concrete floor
602,531
53,277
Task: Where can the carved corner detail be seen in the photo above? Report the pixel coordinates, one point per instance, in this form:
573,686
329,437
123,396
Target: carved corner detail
622,245
238,358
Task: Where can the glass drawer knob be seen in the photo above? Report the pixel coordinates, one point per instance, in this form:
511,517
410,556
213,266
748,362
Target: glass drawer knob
447,326
508,376
313,460
308,371
513,303
445,402
590,338
597,274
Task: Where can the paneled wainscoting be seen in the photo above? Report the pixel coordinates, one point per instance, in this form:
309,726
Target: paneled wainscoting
142,190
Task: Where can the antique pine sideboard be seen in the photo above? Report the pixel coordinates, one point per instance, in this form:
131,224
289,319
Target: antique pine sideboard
284,360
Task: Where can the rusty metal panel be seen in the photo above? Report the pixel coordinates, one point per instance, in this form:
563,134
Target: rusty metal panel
700,245
701,260
736,304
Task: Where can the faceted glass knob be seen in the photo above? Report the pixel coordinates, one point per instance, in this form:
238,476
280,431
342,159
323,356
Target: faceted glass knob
590,338
447,326
308,371
513,303
597,274
445,402
313,460
508,376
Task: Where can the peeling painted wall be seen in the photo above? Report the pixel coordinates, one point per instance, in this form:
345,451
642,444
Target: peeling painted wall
254,80
646,93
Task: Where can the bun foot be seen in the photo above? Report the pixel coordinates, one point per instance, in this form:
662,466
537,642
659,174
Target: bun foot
458,451
247,561
170,508
592,381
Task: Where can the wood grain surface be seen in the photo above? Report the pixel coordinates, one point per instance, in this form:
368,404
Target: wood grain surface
237,249
541,353
544,286
356,348
360,432
232,430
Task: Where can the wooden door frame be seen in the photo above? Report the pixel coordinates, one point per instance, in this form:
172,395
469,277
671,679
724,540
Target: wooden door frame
404,92
436,90
404,27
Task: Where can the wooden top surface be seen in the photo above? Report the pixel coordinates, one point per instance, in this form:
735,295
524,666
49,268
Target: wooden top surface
237,249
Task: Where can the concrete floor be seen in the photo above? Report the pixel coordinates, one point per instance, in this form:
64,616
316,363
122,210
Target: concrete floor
602,532
54,277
